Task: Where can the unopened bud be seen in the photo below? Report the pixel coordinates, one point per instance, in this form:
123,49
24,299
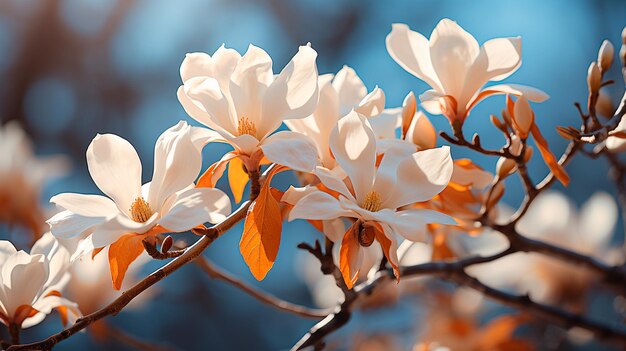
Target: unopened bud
605,55
505,167
604,105
516,145
523,117
367,235
594,77
498,123
409,107
167,243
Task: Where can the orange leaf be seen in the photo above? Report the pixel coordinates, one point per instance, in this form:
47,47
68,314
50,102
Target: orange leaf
215,170
385,243
548,157
348,254
121,254
261,231
237,178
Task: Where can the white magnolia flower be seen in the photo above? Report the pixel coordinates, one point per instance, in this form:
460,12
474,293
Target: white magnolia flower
169,203
241,100
340,94
457,68
373,195
22,174
30,284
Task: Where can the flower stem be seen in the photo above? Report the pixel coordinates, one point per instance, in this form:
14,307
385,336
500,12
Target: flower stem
14,332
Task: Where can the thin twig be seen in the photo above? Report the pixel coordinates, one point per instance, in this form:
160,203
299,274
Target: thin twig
217,273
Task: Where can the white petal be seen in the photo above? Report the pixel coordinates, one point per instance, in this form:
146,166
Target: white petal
498,59
246,144
291,149
86,205
353,144
318,205
115,168
431,102
373,104
333,181
532,94
208,105
411,223
412,52
195,206
177,162
598,217
111,230
67,224
23,276
615,144
421,132
196,64
385,124
202,136
350,89
249,82
387,172
422,176
452,52
6,249
293,194
294,93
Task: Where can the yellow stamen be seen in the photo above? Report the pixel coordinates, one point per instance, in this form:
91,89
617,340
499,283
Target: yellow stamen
372,202
140,210
245,126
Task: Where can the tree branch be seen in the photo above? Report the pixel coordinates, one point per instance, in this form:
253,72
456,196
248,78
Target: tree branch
217,273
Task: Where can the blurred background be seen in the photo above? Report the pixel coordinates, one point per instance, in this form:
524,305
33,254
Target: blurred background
74,68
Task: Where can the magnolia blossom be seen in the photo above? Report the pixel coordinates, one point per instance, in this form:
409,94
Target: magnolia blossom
169,203
241,100
340,94
30,284
22,175
372,196
457,68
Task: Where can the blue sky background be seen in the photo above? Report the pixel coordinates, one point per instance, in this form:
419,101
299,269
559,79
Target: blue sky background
74,68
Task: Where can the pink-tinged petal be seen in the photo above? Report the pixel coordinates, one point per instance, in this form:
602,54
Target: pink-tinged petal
195,206
318,205
86,205
421,132
353,144
498,59
249,83
373,104
411,51
333,180
532,94
111,230
115,168
422,176
293,94
598,217
452,52
386,123
349,88
291,149
67,224
177,162
206,95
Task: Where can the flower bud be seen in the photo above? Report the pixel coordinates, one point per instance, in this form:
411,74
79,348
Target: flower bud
409,107
605,55
529,153
516,145
594,77
167,243
523,117
604,105
505,167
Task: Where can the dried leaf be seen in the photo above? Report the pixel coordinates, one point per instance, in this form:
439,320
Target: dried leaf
548,157
121,254
237,178
261,232
348,255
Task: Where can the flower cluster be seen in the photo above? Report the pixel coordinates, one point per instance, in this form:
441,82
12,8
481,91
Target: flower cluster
372,180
